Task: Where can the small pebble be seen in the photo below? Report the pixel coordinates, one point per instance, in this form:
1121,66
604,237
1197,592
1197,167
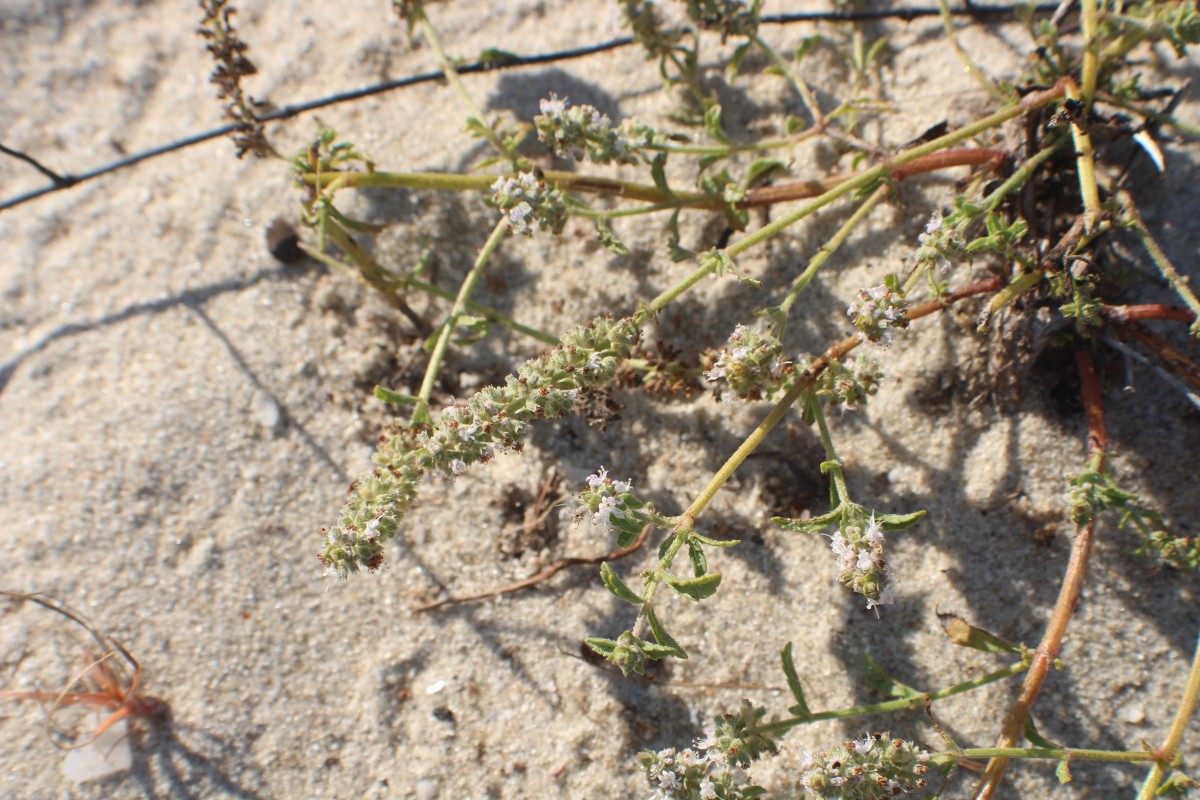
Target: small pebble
265,410
283,242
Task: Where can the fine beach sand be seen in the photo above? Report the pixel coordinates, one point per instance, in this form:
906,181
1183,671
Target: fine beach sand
180,414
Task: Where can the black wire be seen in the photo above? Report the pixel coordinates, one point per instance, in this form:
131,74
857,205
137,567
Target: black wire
501,62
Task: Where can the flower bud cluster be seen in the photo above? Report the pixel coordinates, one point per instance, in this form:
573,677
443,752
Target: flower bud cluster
942,243
750,365
850,386
528,200
859,546
871,768
468,433
715,767
879,310
605,499
580,132
730,17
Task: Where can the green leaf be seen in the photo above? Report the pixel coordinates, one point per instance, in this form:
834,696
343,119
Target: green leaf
395,398
1036,739
609,239
964,634
715,542
1063,771
735,61
802,50
659,651
628,529
658,172
695,588
883,683
470,329
699,560
875,51
898,522
604,647
793,681
761,169
712,124
613,582
677,252
812,525
793,125
660,635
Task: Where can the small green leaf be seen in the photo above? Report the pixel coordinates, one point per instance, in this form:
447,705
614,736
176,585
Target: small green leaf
793,125
708,160
715,542
812,525
695,588
735,61
898,522
793,682
964,634
699,560
470,329
613,582
609,239
761,169
658,651
883,683
802,50
712,124
875,51
660,635
604,647
1063,771
677,252
1036,739
395,398
658,172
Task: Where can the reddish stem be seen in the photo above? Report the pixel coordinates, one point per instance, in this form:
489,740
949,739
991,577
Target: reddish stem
954,157
1068,595
1146,311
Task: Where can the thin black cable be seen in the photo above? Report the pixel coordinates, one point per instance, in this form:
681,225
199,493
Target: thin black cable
501,62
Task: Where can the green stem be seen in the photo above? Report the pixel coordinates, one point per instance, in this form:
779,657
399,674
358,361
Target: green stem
455,80
1017,179
374,275
1178,282
1054,754
1170,748
971,67
902,704
1085,163
831,457
830,247
802,88
1090,72
420,414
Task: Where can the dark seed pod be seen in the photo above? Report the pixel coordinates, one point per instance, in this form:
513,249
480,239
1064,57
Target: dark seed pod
283,242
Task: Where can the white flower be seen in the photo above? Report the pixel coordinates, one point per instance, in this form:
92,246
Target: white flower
669,780
609,507
596,480
708,789
553,104
865,562
874,532
621,487
372,529
864,745
886,598
458,466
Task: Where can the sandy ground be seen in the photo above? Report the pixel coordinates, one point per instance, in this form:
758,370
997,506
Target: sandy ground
180,414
